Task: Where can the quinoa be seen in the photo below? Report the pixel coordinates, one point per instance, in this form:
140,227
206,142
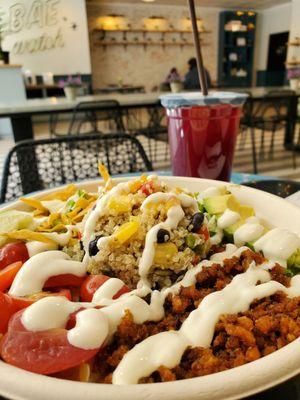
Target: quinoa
268,325
122,260
74,250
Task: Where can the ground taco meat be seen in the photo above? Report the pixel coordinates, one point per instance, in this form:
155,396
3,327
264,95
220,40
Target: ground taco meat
270,324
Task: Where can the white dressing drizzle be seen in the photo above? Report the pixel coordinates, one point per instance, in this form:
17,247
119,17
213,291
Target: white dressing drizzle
247,233
278,244
217,237
34,272
90,331
174,216
48,313
107,290
209,192
34,247
98,211
228,218
93,326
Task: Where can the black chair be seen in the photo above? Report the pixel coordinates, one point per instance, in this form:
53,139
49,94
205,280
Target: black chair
34,165
271,114
91,112
245,119
155,131
296,141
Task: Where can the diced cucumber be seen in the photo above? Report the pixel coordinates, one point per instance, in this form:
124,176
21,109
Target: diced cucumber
190,240
294,259
232,228
250,245
229,232
212,224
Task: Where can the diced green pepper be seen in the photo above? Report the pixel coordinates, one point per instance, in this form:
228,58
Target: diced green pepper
190,241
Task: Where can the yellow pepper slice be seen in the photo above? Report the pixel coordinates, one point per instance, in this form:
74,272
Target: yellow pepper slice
126,231
164,253
119,205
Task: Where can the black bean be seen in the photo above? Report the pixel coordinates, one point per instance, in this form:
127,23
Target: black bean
93,249
197,221
163,236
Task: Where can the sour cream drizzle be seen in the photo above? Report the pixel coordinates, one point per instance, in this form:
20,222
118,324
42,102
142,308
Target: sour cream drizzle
228,218
108,290
278,244
34,272
34,247
248,232
98,211
174,216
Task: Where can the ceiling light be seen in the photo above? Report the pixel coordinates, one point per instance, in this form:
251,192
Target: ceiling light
148,1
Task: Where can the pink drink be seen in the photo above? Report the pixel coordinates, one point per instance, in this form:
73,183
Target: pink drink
202,139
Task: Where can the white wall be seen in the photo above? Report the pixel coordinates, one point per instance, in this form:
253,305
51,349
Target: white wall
50,35
149,67
294,52
273,20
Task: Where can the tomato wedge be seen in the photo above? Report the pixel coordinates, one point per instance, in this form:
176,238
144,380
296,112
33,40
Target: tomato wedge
7,309
23,302
12,252
64,280
147,188
205,232
7,275
92,283
45,352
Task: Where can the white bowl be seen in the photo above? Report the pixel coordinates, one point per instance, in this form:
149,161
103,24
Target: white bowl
235,383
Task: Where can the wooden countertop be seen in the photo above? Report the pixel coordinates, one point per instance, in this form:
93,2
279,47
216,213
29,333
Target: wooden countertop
6,66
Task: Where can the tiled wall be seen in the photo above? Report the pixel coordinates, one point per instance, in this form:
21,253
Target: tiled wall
137,66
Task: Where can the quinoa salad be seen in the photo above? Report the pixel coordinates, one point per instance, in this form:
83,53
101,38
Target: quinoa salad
142,283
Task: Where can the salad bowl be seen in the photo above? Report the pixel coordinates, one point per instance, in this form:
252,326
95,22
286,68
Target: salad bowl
234,383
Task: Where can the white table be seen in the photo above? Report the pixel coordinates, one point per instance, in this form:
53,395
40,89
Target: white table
21,112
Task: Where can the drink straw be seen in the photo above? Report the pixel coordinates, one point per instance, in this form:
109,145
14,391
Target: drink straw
200,66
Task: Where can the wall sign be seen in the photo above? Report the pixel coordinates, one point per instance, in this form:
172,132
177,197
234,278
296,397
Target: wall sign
39,14
47,35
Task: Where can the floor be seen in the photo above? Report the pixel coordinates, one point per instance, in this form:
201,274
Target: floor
280,165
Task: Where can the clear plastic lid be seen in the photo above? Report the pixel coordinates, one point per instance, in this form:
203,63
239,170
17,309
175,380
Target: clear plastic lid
173,100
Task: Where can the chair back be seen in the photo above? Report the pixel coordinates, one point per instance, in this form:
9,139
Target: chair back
34,165
247,109
275,105
95,111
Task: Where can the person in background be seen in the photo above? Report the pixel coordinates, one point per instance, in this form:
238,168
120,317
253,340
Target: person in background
191,79
172,76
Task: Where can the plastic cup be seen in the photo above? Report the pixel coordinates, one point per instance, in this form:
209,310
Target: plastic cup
202,132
